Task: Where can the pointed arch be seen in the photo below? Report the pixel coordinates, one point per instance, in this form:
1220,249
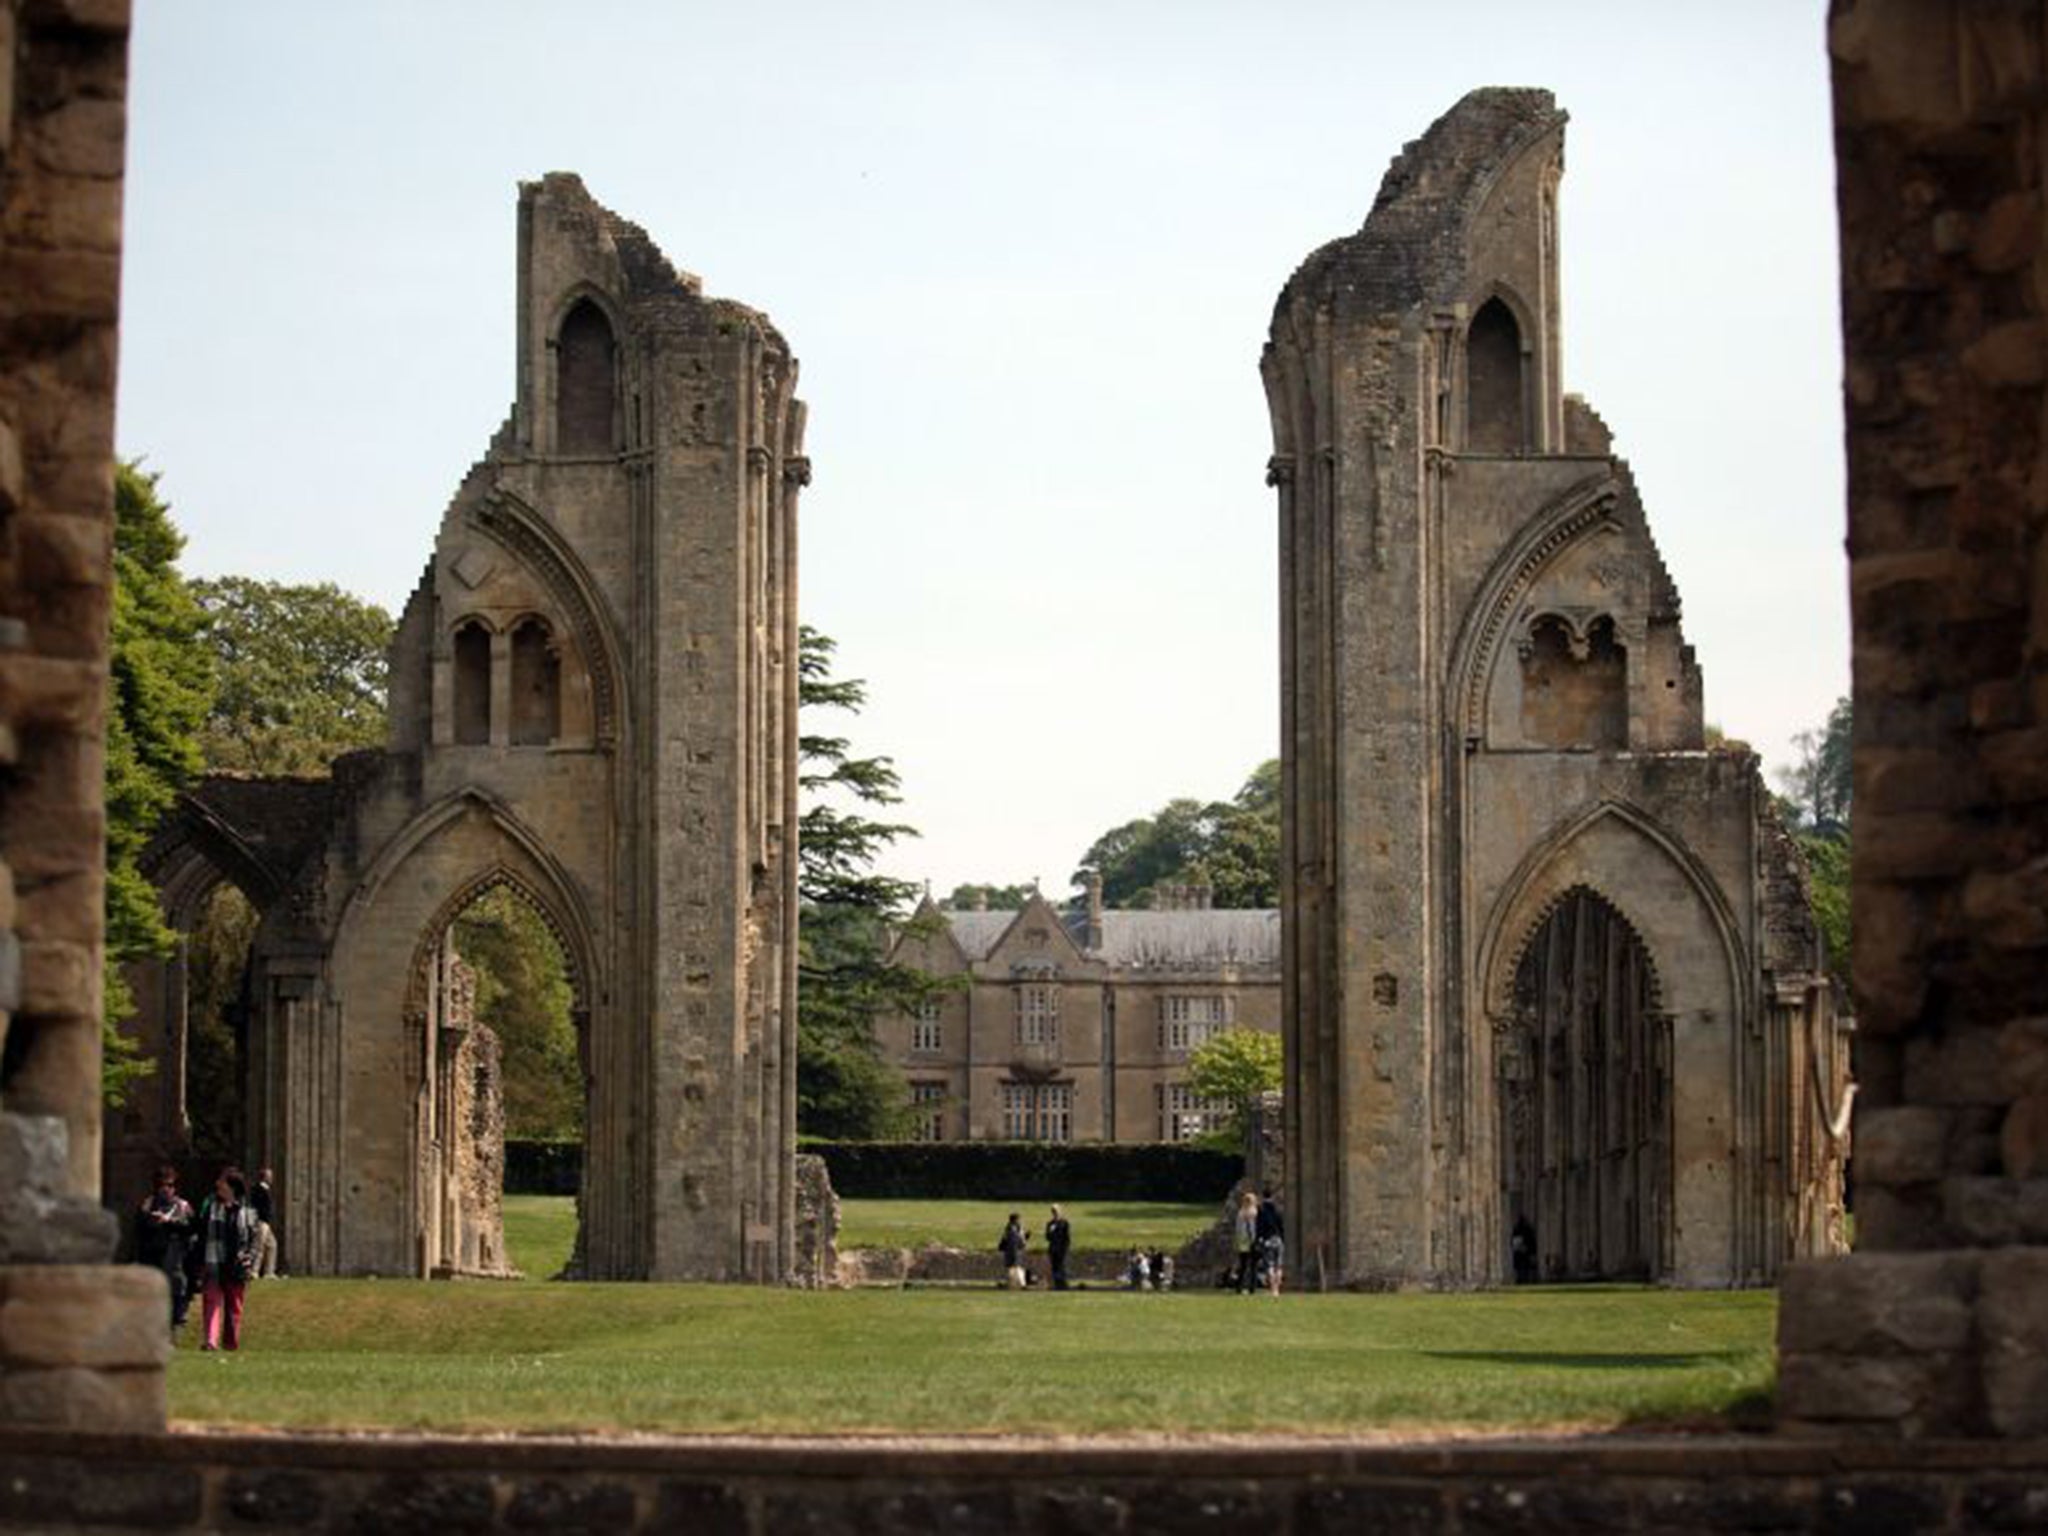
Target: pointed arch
586,380
1496,381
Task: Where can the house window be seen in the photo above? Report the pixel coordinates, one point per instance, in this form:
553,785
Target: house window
925,1033
1185,1114
928,1111
1186,1022
1038,1014
1038,1111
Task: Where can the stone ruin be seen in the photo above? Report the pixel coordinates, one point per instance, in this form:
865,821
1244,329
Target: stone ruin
1547,957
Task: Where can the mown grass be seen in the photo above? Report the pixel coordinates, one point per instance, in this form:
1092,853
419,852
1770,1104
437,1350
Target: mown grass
535,1356
976,1224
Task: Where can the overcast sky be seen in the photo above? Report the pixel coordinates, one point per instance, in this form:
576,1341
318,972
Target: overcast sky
1026,254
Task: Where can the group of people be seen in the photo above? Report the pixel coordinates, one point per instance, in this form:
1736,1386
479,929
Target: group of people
215,1251
1258,1236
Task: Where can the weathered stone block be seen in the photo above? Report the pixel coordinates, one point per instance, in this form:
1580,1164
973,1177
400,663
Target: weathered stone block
1731,1505
38,1228
34,1150
961,1512
1199,1506
1995,1212
451,1504
2023,1139
2006,1504
57,977
1904,1145
138,1495
692,1508
293,1499
1388,1508
80,137
103,1316
1912,1395
108,1402
2009,356
579,1508
1859,1506
1556,1504
2023,1054
1960,1066
1899,1219
2008,233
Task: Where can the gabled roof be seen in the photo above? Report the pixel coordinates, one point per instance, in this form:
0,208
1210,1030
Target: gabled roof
978,932
1191,940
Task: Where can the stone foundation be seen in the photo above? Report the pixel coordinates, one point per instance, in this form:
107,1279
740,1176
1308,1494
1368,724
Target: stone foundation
736,1487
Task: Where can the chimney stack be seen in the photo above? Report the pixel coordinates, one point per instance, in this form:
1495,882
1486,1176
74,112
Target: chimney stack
1093,881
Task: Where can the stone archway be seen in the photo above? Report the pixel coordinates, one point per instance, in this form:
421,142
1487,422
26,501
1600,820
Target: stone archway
1584,1066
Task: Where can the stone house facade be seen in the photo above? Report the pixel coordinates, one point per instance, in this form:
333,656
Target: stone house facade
1078,1026
592,705
1547,959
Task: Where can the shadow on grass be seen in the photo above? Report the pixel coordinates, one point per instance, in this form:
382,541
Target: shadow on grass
1582,1361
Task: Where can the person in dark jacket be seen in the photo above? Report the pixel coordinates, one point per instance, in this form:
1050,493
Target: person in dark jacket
163,1229
1059,1237
1271,1232
229,1243
1011,1246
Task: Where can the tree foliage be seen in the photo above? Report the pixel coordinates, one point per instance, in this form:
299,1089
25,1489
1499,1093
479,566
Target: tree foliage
1817,802
1233,845
967,896
303,671
1235,1066
160,685
523,994
845,977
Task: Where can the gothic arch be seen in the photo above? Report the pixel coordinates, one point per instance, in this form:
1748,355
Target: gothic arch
1594,503
1550,870
533,541
547,907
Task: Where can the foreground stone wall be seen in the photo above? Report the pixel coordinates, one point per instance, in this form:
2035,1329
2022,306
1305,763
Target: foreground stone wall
755,1488
80,1342
1939,1322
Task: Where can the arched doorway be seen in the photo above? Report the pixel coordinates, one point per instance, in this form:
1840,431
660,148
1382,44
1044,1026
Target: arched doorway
1585,1101
496,1012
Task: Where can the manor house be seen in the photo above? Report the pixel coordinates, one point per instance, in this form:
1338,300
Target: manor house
1078,1026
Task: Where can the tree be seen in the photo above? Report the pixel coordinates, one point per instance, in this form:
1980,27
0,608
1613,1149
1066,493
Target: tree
1231,845
523,994
303,674
160,686
997,898
1236,1066
845,978
1819,785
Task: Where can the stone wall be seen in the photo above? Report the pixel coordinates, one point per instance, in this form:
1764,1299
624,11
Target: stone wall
732,1487
816,1244
80,1342
1939,1323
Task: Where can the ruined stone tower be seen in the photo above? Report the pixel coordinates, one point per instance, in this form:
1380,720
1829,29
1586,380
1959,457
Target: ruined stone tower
1547,959
593,704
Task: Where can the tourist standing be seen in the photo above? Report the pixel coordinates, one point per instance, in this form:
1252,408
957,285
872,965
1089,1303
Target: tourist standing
1011,1247
265,1207
1271,1232
1059,1237
163,1229
1244,1236
227,1233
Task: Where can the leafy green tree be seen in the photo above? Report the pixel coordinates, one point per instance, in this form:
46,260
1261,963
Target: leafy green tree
160,686
523,994
998,898
845,978
1819,786
216,975
1236,1066
1233,845
303,674
1827,870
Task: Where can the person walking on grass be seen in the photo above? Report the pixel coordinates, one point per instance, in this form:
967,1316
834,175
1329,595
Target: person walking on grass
265,1206
1011,1247
1059,1237
1271,1232
163,1230
229,1243
1244,1234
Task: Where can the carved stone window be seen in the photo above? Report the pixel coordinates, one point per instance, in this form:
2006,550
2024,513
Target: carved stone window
472,685
536,685
1496,404
1038,1111
928,1111
1185,1114
586,383
1038,1014
1185,1022
1574,686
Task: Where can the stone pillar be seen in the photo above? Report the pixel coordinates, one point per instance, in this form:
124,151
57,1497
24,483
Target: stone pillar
81,1343
1938,1324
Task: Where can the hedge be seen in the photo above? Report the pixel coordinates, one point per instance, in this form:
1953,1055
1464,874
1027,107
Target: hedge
955,1170
543,1167
1027,1170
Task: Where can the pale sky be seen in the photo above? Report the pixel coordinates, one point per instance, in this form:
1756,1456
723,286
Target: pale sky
1026,255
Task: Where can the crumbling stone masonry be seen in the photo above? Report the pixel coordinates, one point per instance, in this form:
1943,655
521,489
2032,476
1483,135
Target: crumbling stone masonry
1547,958
1938,1324
593,704
81,1343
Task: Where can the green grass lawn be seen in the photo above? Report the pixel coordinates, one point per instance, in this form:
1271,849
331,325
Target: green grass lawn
976,1224
483,1355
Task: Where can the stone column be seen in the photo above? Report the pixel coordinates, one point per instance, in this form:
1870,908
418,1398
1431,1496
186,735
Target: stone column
1938,1324
81,1343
